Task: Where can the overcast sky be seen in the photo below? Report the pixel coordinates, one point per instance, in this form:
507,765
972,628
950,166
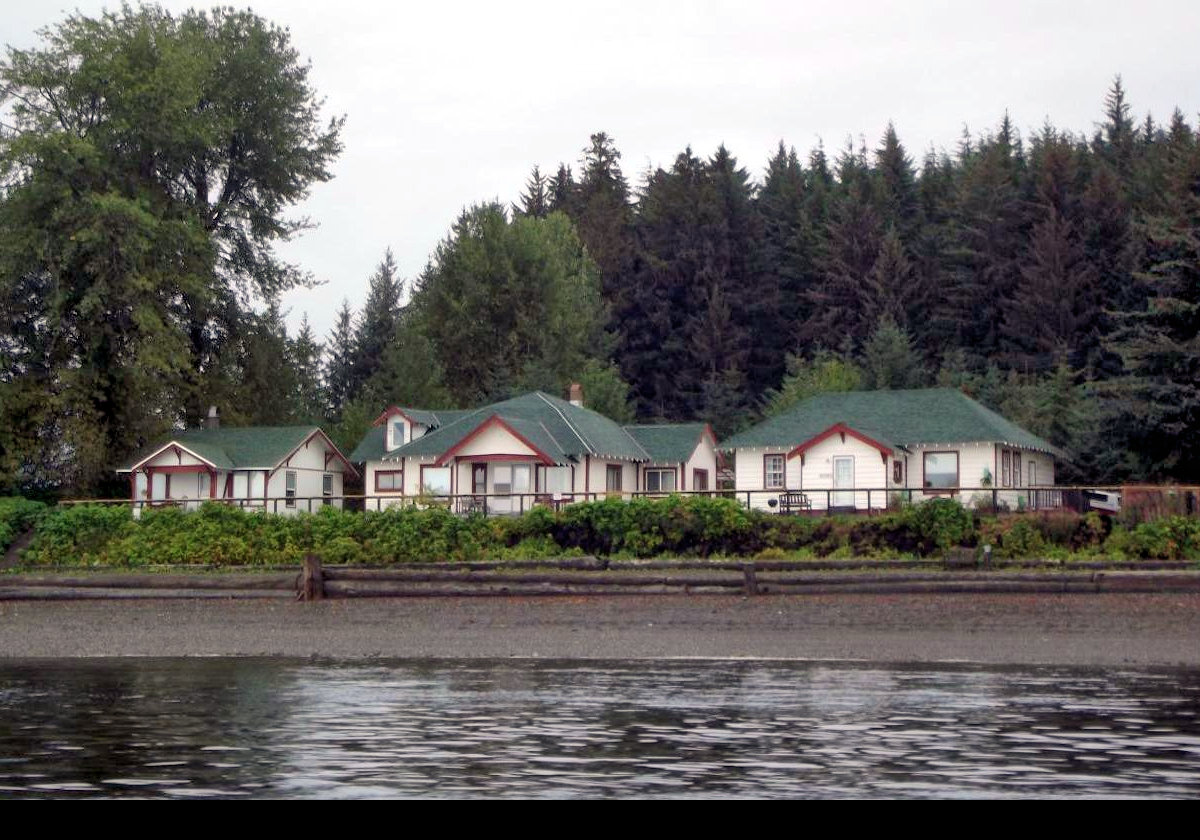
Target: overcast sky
451,103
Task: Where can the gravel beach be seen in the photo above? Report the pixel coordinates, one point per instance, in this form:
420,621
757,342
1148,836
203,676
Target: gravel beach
1099,629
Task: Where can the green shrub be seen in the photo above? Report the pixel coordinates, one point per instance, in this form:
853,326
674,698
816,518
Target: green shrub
17,515
677,526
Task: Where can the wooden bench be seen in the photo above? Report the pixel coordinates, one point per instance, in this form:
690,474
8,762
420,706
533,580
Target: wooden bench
794,502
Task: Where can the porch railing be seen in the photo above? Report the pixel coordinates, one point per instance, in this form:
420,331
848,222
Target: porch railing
1139,501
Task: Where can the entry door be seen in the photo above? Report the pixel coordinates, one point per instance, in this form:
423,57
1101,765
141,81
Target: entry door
479,478
843,479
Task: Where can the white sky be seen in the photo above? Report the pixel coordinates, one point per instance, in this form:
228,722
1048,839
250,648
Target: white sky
450,103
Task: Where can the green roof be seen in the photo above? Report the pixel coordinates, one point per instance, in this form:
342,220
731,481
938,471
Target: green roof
668,443
233,447
898,418
372,447
563,431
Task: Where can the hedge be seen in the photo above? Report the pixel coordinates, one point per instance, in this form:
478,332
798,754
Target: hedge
676,526
17,515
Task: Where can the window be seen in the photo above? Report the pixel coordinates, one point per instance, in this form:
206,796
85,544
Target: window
435,480
773,472
1016,469
327,488
202,484
612,478
660,481
897,472
1005,468
389,481
554,479
941,470
699,479
397,434
1032,474
289,488
502,479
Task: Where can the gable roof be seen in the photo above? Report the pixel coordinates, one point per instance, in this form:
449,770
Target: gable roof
670,443
560,431
423,416
896,418
236,447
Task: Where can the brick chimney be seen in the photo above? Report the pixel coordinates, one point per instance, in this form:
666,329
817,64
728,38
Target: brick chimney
213,420
576,397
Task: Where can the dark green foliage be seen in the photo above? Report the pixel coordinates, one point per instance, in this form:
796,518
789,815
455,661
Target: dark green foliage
17,515
146,164
676,526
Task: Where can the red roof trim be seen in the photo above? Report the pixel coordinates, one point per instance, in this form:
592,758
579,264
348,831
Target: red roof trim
839,429
332,448
494,420
388,412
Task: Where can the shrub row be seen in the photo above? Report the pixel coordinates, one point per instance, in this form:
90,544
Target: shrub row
693,526
17,515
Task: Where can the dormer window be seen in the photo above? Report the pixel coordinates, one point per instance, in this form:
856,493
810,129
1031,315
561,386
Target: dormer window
397,435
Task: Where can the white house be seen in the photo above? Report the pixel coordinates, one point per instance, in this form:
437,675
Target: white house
532,449
860,450
280,469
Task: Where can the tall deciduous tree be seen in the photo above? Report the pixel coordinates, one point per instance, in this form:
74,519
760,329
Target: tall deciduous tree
150,161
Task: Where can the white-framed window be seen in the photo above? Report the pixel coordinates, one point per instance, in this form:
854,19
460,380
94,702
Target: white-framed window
327,488
660,481
289,488
202,485
1016,469
435,480
941,470
397,433
1005,468
1032,468
774,467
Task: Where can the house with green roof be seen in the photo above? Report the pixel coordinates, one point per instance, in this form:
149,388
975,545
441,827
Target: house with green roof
850,450
531,449
279,469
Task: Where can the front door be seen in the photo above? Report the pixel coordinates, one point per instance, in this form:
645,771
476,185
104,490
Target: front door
478,479
843,480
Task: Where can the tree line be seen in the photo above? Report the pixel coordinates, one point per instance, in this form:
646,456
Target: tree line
148,161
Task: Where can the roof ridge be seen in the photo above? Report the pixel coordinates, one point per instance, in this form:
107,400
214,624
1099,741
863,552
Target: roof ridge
591,449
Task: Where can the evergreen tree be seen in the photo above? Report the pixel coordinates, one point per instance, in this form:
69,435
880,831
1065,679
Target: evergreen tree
807,377
535,201
889,359
1160,345
788,252
340,356
853,237
305,358
377,323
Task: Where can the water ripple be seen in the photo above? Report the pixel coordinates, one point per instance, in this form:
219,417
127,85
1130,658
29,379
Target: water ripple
225,728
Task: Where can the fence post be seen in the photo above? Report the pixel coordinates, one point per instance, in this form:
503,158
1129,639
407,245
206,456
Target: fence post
312,581
751,576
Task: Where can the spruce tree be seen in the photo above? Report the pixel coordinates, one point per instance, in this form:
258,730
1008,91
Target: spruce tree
340,356
377,322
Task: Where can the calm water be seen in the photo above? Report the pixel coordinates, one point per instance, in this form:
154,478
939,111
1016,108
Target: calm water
205,728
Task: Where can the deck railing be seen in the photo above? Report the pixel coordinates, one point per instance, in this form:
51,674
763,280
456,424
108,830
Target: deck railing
1137,501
